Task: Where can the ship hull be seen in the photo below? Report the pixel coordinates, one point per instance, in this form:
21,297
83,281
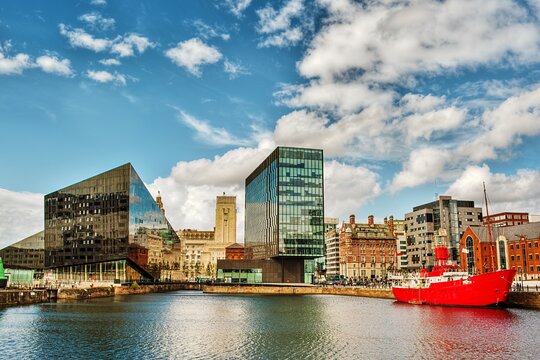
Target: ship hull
479,290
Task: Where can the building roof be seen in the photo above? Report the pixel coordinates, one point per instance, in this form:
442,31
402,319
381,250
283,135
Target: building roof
368,231
514,232
235,246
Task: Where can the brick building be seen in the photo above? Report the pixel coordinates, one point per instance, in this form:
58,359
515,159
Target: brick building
366,250
507,219
513,247
234,252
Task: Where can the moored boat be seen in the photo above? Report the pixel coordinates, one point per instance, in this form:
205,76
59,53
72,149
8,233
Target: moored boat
446,285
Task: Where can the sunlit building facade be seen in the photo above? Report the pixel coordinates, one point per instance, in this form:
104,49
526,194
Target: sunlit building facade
107,228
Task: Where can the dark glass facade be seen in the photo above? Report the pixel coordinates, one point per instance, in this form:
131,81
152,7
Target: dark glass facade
106,218
285,206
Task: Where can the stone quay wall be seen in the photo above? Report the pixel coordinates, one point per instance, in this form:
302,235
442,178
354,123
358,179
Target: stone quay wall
97,292
297,290
520,299
23,297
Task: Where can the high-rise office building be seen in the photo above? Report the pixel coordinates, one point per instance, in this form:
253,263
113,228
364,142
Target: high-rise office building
285,213
28,253
108,228
452,216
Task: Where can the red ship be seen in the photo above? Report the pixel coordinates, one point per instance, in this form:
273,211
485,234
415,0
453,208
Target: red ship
445,285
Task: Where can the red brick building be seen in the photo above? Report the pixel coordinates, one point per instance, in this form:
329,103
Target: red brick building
366,250
234,252
507,219
513,247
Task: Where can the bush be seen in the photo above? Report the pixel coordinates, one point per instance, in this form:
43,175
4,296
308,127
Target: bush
134,285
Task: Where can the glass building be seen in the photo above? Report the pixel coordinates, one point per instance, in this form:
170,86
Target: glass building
106,228
285,211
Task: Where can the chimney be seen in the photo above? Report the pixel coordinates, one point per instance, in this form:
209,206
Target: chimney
391,224
385,220
351,219
370,220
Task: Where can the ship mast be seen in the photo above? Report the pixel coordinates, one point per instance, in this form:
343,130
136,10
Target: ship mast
490,238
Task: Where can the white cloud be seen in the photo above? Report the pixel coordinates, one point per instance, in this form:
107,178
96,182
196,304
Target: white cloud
21,215
98,2
123,46
128,45
110,62
192,54
348,188
96,21
105,77
341,98
207,133
80,38
424,125
276,25
390,40
237,7
234,69
517,192
53,65
14,65
505,126
417,103
423,165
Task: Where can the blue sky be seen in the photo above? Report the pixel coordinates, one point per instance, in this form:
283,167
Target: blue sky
408,99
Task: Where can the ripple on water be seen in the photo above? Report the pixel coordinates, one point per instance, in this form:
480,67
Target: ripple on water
188,325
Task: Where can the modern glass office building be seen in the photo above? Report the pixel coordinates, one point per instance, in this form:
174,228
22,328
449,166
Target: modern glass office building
107,228
285,211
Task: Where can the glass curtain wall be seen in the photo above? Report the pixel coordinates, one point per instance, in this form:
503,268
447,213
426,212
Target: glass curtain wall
301,202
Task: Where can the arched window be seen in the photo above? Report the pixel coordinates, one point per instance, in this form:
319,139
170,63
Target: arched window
502,254
470,255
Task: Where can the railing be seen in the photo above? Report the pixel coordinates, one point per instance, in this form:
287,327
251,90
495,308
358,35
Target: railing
525,288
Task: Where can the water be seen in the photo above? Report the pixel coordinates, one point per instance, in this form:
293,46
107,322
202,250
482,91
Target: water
190,325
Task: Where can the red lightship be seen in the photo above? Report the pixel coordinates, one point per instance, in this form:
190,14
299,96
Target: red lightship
445,285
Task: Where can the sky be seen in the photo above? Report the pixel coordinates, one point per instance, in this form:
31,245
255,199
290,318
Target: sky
408,99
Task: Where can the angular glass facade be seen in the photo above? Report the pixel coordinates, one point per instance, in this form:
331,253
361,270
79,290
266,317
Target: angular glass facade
285,205
106,218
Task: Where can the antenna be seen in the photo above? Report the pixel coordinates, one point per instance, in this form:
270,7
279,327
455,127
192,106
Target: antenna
489,229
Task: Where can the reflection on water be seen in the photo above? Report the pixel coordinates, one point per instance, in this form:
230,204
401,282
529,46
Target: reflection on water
193,325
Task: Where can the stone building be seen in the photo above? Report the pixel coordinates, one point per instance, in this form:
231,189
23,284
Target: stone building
366,251
225,230
445,213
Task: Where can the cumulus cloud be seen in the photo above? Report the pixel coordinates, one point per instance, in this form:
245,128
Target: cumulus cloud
21,215
506,126
14,65
423,165
234,69
96,21
192,54
348,188
53,65
105,77
438,121
389,40
237,7
207,133
80,38
277,25
128,45
514,192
